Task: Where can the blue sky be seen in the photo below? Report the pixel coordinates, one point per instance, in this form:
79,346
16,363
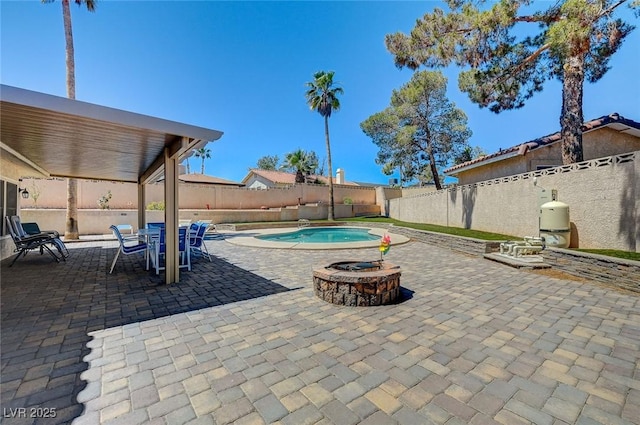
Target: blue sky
241,67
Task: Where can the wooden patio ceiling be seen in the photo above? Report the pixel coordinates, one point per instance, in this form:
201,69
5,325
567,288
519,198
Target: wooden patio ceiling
60,137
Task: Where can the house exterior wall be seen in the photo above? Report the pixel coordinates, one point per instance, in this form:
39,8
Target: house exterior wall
608,142
506,167
11,170
595,144
257,182
603,196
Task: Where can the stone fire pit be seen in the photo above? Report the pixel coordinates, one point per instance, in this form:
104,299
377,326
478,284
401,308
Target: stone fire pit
356,283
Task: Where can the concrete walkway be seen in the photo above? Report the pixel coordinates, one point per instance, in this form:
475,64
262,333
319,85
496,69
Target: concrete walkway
244,340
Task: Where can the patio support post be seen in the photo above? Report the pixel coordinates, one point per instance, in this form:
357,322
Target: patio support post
142,219
172,271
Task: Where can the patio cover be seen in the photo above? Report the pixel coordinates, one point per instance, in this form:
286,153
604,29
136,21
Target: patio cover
54,136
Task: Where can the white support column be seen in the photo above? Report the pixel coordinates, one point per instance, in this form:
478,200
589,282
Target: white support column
172,271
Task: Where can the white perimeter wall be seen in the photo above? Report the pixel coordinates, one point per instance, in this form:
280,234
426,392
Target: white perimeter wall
97,222
53,194
603,197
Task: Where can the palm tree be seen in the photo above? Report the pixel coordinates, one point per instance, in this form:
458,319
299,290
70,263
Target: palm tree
322,96
300,161
71,228
186,160
203,153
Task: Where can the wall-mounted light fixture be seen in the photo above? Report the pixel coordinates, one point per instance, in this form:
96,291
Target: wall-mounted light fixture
23,192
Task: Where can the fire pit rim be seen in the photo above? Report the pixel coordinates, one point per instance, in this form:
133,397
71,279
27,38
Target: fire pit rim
386,270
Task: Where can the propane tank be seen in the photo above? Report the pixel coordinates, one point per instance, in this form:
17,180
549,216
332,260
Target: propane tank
555,226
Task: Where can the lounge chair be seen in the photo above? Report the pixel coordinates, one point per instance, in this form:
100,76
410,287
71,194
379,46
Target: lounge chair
126,247
196,240
26,243
34,229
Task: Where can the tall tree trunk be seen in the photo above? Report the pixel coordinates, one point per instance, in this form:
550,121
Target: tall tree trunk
71,228
432,161
70,60
330,216
434,170
571,118
202,169
71,231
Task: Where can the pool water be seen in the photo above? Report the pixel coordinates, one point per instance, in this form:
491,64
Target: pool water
322,235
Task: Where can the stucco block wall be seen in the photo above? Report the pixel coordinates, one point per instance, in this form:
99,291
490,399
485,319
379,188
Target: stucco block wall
53,194
97,222
603,197
220,197
412,191
383,194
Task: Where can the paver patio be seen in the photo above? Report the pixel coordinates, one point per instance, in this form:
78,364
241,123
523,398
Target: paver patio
244,340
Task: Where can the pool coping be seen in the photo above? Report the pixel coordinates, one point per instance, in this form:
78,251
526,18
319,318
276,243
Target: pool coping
248,238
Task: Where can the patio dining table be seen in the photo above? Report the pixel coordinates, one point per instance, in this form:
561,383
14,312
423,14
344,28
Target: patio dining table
146,235
152,234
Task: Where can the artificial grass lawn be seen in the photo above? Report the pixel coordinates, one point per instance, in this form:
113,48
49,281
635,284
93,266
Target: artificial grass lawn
456,231
627,255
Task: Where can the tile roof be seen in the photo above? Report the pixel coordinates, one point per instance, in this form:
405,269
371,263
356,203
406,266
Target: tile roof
204,178
282,177
523,148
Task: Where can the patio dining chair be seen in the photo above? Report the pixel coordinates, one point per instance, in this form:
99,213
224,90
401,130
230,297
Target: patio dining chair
26,243
126,247
196,240
157,249
211,232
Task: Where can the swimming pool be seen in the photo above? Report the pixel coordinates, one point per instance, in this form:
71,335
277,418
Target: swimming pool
322,235
309,238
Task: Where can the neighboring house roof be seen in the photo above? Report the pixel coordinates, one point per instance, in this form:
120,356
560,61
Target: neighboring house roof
367,184
615,121
282,177
204,178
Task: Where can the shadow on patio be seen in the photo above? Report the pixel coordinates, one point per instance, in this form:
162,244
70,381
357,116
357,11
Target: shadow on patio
48,309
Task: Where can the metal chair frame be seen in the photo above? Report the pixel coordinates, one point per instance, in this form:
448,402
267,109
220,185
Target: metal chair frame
27,243
126,249
196,240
